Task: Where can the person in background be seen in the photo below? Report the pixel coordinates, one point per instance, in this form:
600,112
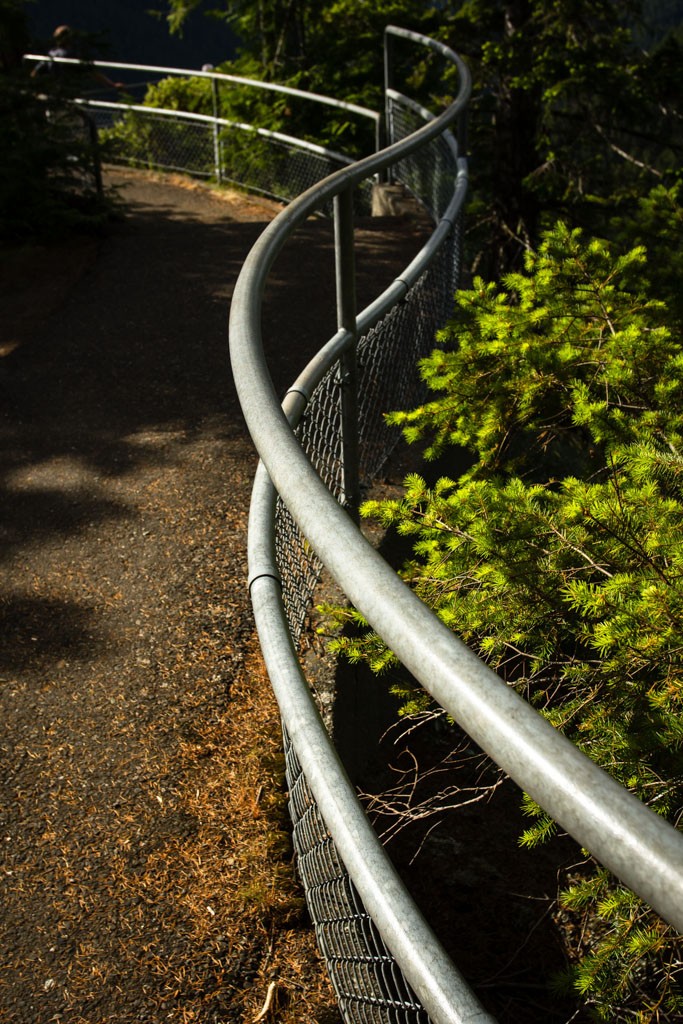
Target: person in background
63,39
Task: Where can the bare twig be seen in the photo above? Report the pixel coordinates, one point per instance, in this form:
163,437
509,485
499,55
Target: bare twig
265,1009
624,155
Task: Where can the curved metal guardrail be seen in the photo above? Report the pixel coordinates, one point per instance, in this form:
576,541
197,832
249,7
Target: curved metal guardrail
273,163
329,435
384,961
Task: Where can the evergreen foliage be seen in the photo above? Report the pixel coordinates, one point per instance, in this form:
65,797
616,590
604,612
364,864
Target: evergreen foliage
573,116
334,48
558,555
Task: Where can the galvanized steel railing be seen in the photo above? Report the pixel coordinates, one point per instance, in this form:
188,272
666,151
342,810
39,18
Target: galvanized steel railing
327,437
205,144
384,962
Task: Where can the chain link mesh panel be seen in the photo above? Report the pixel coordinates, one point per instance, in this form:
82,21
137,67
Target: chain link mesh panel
369,986
158,142
299,569
388,356
271,166
430,172
388,380
150,139
320,436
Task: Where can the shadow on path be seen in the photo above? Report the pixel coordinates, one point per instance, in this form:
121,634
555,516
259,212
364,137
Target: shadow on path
125,478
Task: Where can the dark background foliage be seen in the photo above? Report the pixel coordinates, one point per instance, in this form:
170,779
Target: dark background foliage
130,32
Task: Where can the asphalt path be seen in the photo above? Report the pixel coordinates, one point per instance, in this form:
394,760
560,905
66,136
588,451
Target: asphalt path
125,627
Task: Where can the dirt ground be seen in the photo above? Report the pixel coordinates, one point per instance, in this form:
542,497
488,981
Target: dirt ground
146,870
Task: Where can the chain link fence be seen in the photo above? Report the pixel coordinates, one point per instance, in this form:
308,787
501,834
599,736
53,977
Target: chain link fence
210,148
427,173
149,135
261,161
387,359
370,987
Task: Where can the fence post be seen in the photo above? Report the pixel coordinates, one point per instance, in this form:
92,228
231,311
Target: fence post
94,142
218,163
386,175
346,319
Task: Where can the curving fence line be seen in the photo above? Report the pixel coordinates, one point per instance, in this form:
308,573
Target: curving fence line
326,439
202,142
385,964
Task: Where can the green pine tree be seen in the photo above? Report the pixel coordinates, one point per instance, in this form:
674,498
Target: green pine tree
558,555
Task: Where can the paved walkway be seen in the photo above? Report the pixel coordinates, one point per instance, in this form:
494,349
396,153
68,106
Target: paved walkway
134,745
124,629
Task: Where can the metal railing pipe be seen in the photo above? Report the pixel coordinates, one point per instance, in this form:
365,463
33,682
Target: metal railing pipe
638,846
287,90
346,320
208,119
392,32
437,983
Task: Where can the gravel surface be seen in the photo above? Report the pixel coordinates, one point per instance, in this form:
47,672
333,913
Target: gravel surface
145,872
123,614
126,638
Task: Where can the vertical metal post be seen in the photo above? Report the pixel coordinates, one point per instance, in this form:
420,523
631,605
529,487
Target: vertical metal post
217,162
386,175
458,226
346,319
94,140
380,134
462,133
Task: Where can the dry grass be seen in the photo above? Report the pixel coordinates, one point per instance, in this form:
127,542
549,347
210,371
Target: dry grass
230,882
201,921
145,871
228,885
